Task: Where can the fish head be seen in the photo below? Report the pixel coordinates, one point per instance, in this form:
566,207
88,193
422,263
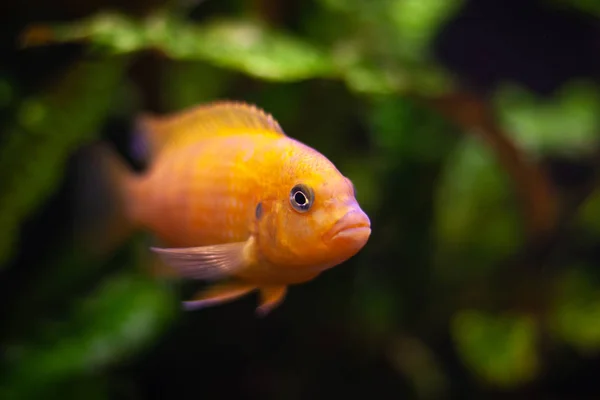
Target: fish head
314,220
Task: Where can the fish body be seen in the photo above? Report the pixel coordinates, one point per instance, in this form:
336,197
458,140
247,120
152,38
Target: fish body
232,198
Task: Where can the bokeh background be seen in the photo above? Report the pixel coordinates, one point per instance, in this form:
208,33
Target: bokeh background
469,127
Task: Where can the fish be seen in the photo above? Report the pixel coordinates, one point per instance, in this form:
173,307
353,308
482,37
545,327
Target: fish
232,200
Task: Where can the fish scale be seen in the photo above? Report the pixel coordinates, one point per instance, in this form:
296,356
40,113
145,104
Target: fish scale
209,205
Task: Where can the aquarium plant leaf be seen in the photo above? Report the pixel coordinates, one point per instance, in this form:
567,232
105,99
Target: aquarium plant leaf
368,58
477,218
588,215
587,6
124,314
500,350
48,128
566,124
575,318
244,45
417,22
387,45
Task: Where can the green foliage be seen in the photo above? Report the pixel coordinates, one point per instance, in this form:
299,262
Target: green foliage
410,24
588,216
499,349
189,83
587,6
404,129
6,92
416,23
474,195
385,45
576,314
567,124
419,362
48,129
124,314
375,306
245,45
251,47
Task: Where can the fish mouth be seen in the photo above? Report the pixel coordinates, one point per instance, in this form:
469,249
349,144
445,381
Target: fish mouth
354,225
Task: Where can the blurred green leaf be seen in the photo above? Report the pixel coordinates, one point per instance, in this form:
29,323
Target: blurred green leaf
588,6
576,315
376,306
477,219
411,25
402,128
364,78
418,21
413,358
64,265
126,313
384,46
499,349
568,123
188,83
244,45
251,47
84,386
588,215
6,92
365,180
48,129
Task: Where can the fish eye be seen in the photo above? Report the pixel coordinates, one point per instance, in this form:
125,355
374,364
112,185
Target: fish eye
301,198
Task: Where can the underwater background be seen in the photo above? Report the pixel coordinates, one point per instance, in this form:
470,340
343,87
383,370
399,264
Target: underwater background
470,129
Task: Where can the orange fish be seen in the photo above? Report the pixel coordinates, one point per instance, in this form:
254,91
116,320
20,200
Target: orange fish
232,198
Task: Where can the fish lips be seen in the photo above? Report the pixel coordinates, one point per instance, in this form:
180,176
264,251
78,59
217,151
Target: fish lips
354,226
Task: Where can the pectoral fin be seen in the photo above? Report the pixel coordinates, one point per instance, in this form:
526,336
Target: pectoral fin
206,262
270,298
218,294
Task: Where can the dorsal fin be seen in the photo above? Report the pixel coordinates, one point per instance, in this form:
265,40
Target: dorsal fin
220,118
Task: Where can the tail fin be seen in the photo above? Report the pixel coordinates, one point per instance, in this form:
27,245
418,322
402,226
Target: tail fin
104,191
